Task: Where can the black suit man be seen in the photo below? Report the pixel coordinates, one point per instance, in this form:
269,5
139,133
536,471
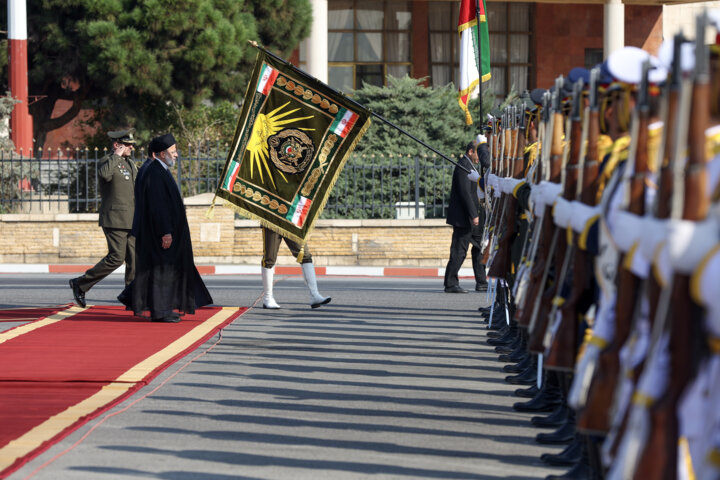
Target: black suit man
465,217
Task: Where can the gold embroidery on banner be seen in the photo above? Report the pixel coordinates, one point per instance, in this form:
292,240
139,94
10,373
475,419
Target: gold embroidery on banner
281,81
282,209
237,187
265,200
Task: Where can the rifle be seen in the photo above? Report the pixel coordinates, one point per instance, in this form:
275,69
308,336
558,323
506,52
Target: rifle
690,202
561,338
558,244
499,266
661,207
540,245
596,416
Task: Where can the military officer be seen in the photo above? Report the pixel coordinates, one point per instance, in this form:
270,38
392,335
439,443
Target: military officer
117,173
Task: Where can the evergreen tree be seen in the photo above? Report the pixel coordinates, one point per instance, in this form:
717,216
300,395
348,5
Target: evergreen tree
132,60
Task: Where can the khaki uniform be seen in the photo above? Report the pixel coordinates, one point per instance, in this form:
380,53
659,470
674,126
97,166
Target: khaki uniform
117,183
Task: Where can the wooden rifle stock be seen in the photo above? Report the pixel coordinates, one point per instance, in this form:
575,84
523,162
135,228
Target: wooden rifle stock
561,353
660,454
501,261
596,416
539,323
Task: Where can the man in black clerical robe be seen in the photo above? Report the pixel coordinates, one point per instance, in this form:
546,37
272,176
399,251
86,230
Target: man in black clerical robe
166,279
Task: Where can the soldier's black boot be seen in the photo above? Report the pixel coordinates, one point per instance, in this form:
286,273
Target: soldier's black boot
510,347
526,377
528,392
506,337
563,435
522,359
581,471
545,400
568,457
555,419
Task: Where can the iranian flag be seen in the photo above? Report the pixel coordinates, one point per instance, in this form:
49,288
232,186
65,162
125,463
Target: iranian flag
469,69
268,75
344,122
299,210
232,174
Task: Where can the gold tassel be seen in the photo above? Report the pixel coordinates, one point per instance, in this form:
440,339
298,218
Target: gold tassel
468,118
301,254
210,213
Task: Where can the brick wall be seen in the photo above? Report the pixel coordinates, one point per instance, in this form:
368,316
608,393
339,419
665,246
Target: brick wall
77,239
564,31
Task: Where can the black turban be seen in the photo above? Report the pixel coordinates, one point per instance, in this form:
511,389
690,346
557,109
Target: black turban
161,143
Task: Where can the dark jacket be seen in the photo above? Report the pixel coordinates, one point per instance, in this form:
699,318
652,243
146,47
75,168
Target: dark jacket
165,279
463,206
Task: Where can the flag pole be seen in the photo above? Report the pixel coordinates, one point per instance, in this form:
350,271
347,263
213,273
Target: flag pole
480,69
350,100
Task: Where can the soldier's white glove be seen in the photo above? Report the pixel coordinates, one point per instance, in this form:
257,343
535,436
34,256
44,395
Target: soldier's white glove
581,214
626,229
473,176
561,212
689,242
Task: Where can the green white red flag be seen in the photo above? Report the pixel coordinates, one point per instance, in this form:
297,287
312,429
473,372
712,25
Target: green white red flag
469,68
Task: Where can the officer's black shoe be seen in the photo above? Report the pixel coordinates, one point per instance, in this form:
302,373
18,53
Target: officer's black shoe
543,401
581,471
485,311
564,435
526,377
455,289
529,392
567,458
557,418
77,293
481,287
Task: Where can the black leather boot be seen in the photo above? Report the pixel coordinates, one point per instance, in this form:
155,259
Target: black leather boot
510,347
529,392
526,377
563,435
517,356
557,418
521,364
581,471
545,400
568,457
506,338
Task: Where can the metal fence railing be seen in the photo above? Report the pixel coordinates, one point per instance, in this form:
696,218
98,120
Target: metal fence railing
370,186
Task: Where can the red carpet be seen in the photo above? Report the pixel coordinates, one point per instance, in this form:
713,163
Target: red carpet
65,369
29,314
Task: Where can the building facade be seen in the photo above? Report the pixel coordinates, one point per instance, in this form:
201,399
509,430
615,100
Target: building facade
356,41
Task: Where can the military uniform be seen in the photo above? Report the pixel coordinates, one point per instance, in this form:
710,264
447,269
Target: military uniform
117,183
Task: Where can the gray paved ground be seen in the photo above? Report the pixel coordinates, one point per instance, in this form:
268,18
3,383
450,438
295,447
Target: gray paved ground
392,380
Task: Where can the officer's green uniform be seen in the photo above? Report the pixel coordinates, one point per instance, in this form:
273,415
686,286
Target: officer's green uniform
117,182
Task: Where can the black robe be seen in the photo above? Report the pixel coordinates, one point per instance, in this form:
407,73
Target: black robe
165,280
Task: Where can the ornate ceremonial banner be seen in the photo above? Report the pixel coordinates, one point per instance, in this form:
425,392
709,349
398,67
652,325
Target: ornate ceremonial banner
292,140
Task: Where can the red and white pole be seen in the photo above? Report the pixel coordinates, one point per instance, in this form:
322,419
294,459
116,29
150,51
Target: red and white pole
21,129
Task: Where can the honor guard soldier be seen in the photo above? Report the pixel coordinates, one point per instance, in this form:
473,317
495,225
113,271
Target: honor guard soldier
117,173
